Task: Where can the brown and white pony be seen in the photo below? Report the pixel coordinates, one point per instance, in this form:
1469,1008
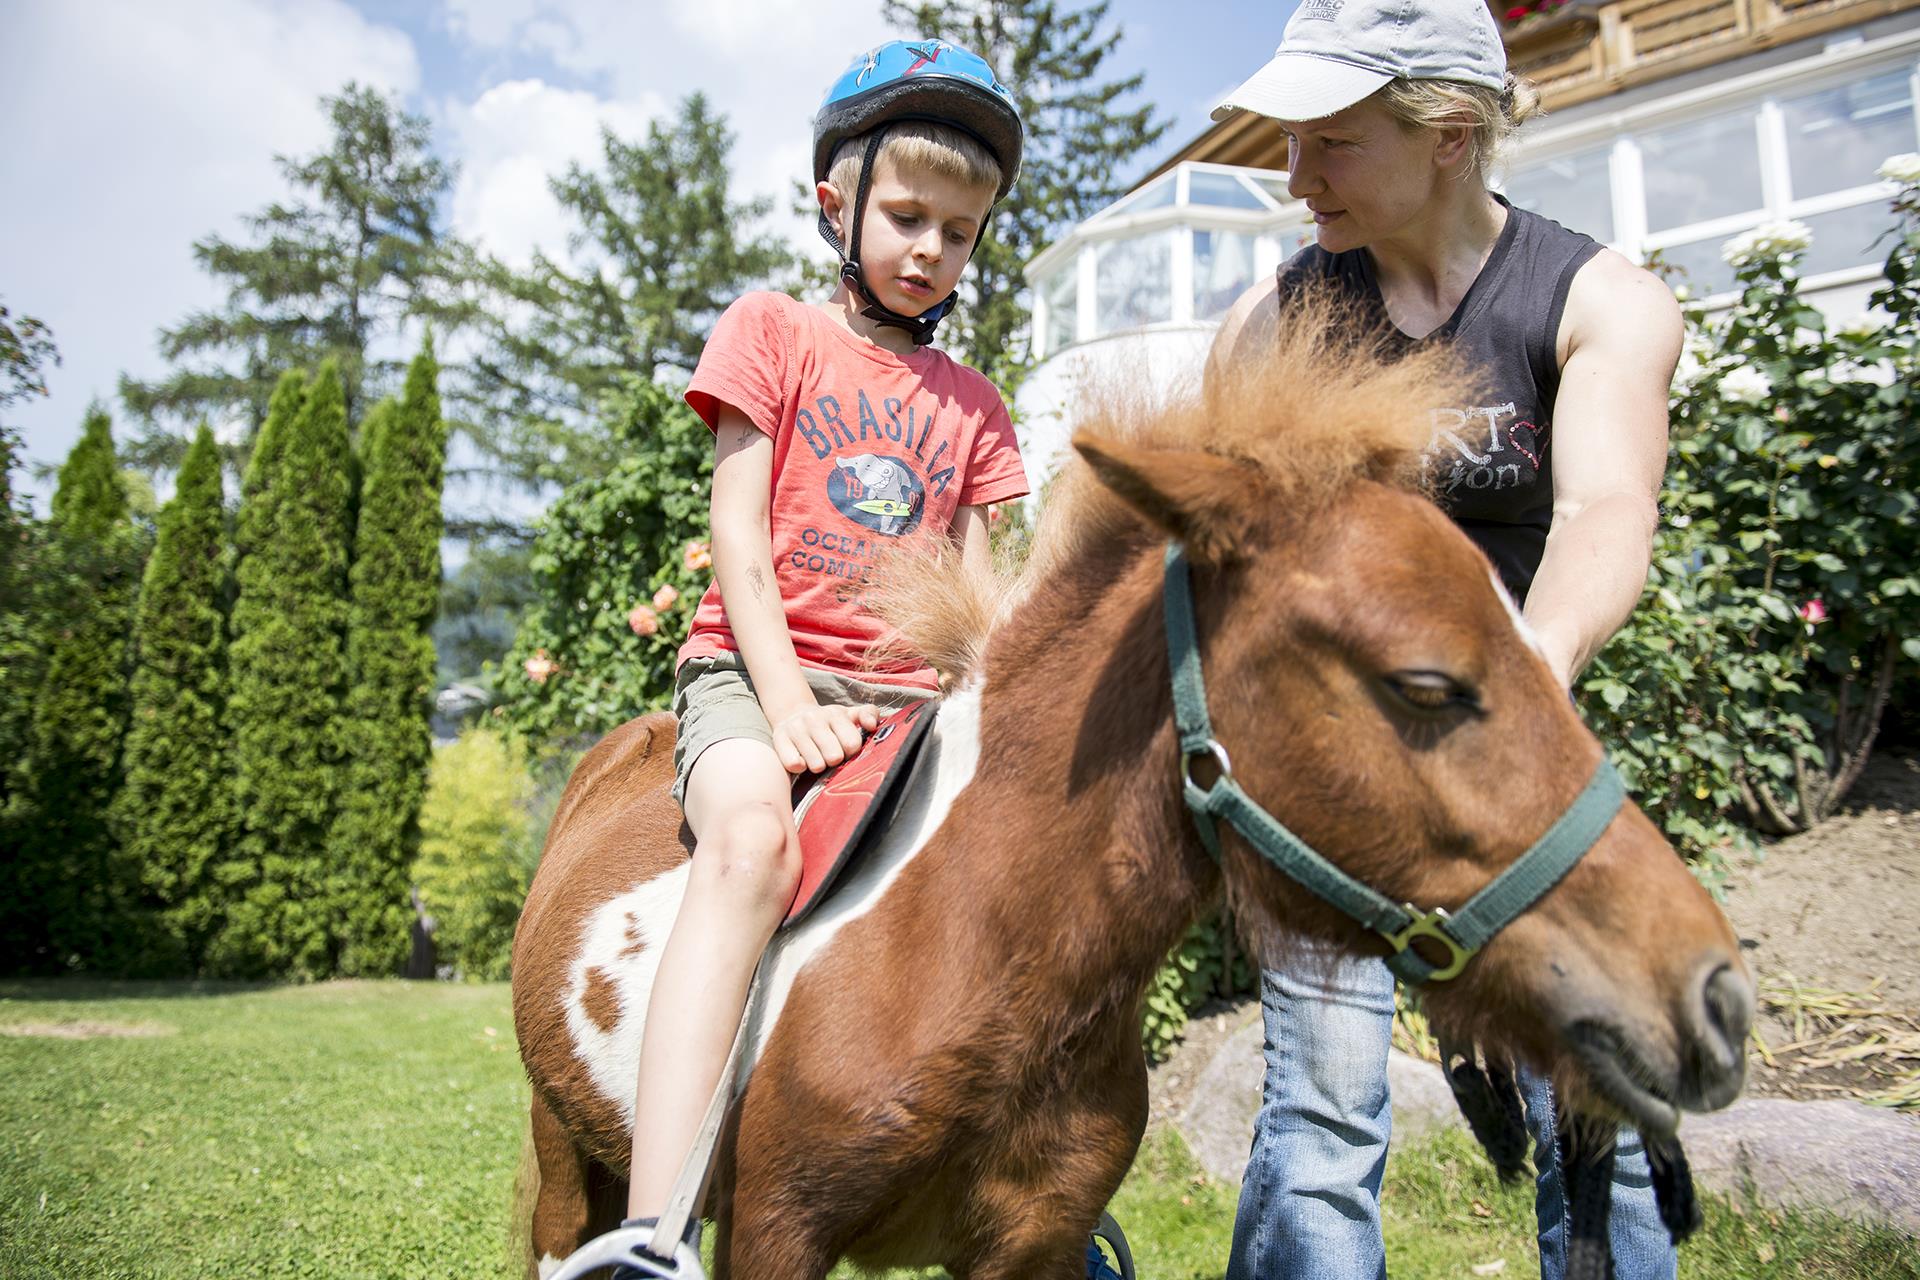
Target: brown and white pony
944,1067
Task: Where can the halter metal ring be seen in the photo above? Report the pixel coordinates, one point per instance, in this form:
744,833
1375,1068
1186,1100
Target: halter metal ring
1220,758
1426,924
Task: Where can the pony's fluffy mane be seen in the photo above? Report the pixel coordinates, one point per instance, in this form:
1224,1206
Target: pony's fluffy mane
1320,412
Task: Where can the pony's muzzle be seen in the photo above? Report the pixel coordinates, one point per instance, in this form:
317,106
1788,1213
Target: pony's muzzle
1719,1016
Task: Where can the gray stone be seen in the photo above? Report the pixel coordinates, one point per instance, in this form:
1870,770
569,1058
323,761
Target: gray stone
1218,1122
1852,1159
1860,1161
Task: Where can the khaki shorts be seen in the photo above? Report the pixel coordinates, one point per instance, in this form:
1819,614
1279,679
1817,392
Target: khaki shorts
713,699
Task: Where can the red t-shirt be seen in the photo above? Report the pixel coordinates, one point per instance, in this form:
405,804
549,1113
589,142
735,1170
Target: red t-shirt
871,451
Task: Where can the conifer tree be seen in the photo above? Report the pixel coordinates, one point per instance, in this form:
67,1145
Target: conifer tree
176,807
328,272
390,659
63,889
1080,138
26,351
663,247
288,677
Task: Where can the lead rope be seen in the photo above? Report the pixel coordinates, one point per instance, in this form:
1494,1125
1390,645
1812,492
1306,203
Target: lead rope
1489,1097
1673,1187
1586,1180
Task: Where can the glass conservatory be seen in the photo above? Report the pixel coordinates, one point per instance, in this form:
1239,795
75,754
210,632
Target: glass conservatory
1174,252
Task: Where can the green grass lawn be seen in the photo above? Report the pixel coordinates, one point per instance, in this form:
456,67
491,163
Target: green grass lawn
371,1130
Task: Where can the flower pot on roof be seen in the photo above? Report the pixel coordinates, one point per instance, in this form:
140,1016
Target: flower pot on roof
1529,22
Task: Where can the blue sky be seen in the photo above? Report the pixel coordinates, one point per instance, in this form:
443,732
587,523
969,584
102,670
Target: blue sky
147,126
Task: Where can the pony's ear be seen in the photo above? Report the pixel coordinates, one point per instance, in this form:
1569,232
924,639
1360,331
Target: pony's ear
1206,501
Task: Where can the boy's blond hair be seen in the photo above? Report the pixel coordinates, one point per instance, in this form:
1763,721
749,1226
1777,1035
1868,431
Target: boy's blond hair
918,146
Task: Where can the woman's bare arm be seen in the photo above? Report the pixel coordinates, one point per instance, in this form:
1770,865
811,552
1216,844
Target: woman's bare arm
1623,332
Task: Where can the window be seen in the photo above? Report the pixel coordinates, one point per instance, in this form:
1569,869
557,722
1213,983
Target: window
1847,238
1221,190
1575,191
1701,170
1135,281
1062,292
1222,270
1838,137
1700,267
1157,194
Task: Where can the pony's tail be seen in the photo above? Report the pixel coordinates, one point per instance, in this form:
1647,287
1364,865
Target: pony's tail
526,1190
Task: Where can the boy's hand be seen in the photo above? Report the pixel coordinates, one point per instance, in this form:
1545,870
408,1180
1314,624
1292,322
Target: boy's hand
814,738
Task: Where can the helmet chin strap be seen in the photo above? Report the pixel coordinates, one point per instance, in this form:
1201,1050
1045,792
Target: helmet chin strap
919,327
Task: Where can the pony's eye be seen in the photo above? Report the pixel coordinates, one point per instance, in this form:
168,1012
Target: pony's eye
1431,691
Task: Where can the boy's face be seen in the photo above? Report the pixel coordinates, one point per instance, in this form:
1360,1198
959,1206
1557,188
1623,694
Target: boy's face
919,231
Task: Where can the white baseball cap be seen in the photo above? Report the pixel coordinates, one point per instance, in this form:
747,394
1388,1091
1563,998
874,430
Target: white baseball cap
1336,52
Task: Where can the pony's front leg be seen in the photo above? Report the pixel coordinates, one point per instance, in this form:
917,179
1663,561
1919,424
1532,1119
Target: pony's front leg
749,1246
757,1233
1051,1258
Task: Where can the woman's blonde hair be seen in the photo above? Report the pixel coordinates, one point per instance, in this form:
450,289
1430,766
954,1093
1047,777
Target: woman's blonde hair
918,146
1492,115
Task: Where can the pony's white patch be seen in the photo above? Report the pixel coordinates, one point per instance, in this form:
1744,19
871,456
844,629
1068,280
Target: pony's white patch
549,1264
644,915
1520,623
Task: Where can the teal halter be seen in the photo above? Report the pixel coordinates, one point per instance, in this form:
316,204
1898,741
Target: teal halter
1461,933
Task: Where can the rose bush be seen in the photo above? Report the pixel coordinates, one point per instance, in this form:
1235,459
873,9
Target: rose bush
619,563
1746,689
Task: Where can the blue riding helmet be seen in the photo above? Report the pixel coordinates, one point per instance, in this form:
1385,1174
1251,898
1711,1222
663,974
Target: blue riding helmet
901,80
920,80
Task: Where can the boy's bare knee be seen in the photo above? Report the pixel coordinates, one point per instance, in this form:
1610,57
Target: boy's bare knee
750,857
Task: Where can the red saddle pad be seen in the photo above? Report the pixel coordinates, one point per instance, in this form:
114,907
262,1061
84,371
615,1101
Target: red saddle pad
838,809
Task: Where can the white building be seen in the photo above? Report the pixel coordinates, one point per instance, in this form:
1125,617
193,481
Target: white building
1672,126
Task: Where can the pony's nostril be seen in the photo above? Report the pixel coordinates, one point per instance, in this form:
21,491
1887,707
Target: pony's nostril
1728,1001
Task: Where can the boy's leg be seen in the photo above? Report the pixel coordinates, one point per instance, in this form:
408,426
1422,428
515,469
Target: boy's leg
1310,1205
1642,1250
746,864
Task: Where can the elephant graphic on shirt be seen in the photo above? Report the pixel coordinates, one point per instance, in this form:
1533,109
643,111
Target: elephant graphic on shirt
889,495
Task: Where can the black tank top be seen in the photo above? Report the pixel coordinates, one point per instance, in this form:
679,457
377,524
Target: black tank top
1492,459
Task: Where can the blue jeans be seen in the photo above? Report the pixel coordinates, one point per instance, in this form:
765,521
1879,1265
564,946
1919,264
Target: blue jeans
1310,1206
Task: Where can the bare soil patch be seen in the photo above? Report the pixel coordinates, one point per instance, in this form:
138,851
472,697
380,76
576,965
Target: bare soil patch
84,1029
1831,923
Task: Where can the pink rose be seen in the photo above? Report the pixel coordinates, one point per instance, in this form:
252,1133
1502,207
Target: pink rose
1814,610
643,620
699,556
663,598
540,666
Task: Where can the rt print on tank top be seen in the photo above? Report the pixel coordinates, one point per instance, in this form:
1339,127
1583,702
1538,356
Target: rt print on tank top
1484,449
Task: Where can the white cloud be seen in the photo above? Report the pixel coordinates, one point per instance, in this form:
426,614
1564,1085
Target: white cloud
151,126
762,63
510,141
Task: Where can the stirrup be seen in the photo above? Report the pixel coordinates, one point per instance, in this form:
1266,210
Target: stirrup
629,1247
1109,1230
